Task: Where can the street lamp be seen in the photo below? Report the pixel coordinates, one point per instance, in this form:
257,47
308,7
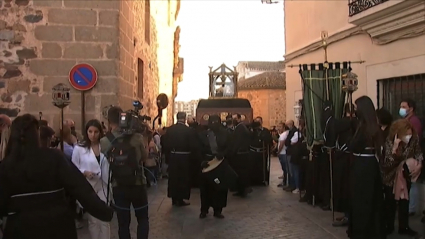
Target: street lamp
297,110
60,96
61,99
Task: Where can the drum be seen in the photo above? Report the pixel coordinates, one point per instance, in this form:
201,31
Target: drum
220,174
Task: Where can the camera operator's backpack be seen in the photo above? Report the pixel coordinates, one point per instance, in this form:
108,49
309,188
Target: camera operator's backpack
122,160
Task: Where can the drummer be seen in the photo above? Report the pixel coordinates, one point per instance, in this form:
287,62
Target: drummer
214,147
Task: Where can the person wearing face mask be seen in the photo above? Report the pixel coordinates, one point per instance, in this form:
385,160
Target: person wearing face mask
261,142
239,151
214,146
401,166
407,111
229,124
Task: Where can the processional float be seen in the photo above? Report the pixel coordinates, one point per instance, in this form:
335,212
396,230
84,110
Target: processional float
326,87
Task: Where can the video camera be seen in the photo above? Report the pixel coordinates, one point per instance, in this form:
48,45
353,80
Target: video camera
131,122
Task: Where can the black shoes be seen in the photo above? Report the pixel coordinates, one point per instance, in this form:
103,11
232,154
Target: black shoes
180,203
340,223
389,230
407,231
216,215
242,195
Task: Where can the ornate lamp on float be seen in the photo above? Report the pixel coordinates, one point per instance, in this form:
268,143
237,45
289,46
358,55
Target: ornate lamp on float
349,85
61,99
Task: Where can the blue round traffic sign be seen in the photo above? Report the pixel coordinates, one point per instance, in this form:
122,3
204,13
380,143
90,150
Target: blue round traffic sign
83,77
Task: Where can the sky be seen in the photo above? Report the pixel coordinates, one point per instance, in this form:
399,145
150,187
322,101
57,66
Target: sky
226,31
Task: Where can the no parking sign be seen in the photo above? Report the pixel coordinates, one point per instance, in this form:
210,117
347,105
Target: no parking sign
83,77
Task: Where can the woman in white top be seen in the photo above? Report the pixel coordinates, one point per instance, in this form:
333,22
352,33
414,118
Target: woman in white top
94,165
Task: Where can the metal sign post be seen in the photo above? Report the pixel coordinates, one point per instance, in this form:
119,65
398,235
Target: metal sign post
83,77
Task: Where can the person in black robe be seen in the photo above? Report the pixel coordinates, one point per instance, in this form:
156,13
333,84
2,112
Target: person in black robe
181,144
385,119
33,183
214,143
341,165
194,164
239,153
261,142
366,209
229,124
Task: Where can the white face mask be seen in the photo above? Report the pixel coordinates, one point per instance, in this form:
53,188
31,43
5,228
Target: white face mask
407,138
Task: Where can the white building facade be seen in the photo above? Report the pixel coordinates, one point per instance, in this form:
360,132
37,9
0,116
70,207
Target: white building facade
389,36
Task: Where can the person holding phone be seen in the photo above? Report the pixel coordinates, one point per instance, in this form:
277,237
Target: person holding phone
89,159
401,166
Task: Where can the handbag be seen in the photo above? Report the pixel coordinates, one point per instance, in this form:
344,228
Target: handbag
150,162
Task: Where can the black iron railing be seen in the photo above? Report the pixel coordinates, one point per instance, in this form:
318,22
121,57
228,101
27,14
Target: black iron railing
358,6
393,90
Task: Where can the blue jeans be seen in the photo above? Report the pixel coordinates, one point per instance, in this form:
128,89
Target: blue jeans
285,167
294,171
125,197
151,174
413,197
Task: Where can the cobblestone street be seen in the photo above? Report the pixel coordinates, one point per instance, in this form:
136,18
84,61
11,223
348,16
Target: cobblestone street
267,213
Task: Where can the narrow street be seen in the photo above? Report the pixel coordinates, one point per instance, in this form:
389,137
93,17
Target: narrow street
267,213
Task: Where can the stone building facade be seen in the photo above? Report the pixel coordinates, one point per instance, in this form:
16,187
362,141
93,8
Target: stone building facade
267,94
189,107
131,44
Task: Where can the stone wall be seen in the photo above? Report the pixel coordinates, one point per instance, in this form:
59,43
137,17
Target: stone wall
40,41
157,54
270,104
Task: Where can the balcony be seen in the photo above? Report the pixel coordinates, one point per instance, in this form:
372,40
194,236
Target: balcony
388,20
358,6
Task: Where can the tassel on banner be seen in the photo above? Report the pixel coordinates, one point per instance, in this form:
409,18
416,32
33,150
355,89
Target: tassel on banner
332,65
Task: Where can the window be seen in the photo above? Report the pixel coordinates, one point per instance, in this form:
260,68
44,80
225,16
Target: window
140,70
393,90
148,22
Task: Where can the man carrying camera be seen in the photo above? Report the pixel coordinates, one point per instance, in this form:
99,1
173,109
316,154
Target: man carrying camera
126,153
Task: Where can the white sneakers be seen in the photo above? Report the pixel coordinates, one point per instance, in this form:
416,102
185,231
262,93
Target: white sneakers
296,191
